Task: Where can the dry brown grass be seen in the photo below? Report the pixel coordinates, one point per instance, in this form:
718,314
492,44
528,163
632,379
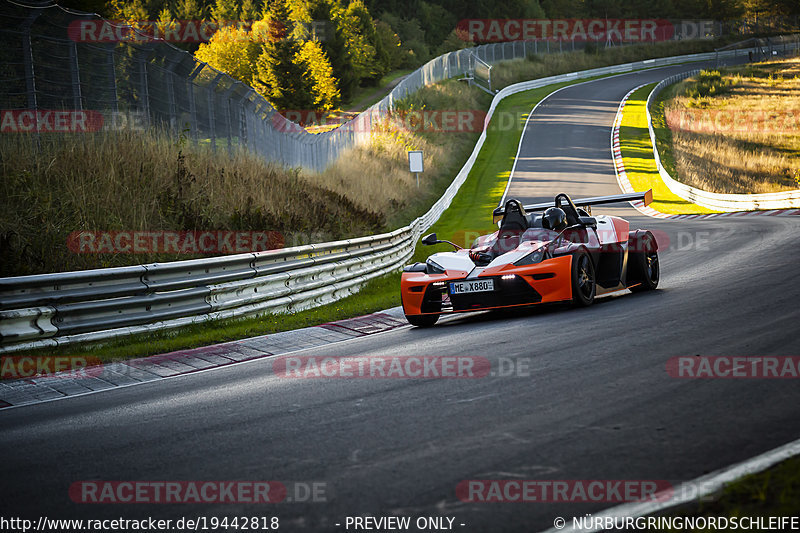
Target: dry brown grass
146,182
382,180
743,138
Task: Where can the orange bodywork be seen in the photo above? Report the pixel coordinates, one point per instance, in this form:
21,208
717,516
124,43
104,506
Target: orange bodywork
551,279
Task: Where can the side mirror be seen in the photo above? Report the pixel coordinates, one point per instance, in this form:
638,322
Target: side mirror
430,239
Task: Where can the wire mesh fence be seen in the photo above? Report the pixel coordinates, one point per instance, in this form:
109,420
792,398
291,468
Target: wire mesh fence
53,80
56,82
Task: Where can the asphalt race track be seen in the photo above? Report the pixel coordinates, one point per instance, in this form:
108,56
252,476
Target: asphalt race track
597,403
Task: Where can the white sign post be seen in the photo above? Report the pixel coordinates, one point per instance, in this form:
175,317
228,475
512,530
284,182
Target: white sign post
415,163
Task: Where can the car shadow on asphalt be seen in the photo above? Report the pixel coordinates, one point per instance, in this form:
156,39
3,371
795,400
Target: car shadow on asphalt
559,309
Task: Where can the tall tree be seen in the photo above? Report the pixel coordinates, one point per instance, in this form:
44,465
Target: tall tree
335,43
189,10
359,30
388,48
234,51
250,10
319,75
279,76
225,10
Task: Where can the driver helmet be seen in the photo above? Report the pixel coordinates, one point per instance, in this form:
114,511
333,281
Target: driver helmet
555,219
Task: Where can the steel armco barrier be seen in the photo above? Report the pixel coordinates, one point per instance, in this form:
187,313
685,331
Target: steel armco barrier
64,308
712,200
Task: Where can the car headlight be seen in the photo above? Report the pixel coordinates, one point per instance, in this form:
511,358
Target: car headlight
532,258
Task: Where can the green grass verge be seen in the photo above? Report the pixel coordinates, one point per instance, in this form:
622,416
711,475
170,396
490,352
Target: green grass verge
774,492
640,163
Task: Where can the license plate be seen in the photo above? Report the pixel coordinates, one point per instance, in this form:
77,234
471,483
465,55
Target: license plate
464,287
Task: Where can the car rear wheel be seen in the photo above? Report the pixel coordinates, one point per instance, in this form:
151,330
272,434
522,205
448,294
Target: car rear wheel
644,267
422,321
583,279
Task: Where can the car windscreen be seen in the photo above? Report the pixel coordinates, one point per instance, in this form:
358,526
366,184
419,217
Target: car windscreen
538,234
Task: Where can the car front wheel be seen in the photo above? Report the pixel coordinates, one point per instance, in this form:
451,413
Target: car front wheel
583,279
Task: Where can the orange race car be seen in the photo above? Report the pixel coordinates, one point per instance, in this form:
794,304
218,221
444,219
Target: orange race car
549,252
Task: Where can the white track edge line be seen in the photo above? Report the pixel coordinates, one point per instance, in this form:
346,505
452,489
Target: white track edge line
602,77
522,138
698,487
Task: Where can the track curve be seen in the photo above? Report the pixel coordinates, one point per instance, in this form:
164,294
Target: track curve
598,403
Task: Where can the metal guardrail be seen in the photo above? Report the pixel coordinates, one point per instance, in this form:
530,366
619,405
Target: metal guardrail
711,200
47,310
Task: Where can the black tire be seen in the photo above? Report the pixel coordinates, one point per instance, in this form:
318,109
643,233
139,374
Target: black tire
584,283
644,268
422,321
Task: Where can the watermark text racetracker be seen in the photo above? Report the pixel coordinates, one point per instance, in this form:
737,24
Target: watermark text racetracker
734,367
69,121
399,367
176,242
199,492
733,121
193,31
61,366
678,241
562,491
578,30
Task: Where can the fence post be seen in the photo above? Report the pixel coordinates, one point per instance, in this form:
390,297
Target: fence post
212,93
144,90
112,79
244,134
173,108
192,103
77,101
30,80
227,96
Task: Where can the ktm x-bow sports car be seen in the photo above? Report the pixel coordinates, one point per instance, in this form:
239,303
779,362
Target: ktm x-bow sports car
549,252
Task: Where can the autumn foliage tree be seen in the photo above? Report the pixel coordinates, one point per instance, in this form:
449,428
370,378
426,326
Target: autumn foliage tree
234,51
280,77
319,74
